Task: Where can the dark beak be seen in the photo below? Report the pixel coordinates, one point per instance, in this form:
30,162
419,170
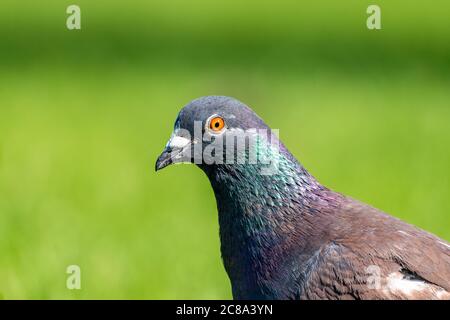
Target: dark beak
164,159
177,150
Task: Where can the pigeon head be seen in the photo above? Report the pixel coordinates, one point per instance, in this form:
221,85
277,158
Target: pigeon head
214,130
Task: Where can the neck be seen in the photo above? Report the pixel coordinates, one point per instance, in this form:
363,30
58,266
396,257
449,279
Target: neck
258,212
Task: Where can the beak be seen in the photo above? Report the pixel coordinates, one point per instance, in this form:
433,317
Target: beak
164,159
177,150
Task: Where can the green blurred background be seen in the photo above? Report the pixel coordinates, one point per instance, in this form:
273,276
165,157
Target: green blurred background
84,114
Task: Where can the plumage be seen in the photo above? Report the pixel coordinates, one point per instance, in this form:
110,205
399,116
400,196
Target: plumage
286,236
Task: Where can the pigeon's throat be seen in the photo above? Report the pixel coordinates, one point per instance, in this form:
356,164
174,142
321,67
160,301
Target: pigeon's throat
274,184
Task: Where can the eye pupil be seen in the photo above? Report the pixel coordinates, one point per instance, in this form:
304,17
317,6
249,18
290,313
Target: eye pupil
216,124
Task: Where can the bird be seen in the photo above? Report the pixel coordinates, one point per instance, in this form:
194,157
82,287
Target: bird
285,236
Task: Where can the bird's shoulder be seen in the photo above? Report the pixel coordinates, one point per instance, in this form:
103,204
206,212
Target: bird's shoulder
365,245
336,272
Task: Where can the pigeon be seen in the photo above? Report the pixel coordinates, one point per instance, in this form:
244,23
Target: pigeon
285,236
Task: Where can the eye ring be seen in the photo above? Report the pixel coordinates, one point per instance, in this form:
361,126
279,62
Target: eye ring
216,124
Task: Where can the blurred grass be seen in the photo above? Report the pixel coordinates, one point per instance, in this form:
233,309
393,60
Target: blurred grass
84,114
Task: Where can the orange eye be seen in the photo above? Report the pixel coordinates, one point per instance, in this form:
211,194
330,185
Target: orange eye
216,124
